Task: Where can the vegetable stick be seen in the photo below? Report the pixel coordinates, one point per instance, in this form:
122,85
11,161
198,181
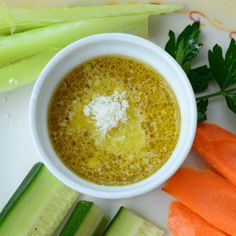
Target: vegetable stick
218,147
25,71
86,219
38,206
22,19
184,222
29,43
208,194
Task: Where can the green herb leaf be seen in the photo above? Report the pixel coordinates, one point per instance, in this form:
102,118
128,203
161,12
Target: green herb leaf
201,110
231,100
199,78
221,68
171,44
230,60
186,47
224,70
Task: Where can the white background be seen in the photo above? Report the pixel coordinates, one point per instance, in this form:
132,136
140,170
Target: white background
17,153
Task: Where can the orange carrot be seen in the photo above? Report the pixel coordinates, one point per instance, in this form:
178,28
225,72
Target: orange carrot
184,222
207,194
218,147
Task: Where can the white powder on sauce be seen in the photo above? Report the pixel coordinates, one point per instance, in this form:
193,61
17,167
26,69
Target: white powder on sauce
107,111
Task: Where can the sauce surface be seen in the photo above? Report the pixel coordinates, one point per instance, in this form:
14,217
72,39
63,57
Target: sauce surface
136,148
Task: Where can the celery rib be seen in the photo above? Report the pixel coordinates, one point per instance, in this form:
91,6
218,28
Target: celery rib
25,71
33,49
22,19
29,43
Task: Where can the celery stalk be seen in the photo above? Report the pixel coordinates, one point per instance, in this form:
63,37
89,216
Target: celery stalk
25,71
29,43
21,19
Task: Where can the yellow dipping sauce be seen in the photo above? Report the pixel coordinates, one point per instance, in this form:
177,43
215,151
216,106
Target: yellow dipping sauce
133,150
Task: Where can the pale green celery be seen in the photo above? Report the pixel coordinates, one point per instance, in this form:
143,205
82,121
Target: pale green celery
29,43
25,71
21,19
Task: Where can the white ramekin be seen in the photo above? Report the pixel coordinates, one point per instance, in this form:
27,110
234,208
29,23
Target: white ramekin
111,44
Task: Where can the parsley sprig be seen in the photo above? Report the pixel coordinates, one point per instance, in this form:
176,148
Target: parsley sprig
186,47
221,69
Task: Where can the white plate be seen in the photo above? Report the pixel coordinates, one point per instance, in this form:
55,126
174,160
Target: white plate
17,153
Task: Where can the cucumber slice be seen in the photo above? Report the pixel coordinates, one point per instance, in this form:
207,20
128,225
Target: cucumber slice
86,220
126,223
38,206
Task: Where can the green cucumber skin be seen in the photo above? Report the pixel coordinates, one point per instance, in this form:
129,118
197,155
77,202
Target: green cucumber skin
20,190
128,223
40,208
101,228
113,220
76,218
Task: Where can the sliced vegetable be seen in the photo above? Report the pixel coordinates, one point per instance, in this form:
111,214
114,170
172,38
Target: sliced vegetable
38,205
29,43
208,194
85,220
218,147
24,71
184,222
127,223
22,19
23,186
